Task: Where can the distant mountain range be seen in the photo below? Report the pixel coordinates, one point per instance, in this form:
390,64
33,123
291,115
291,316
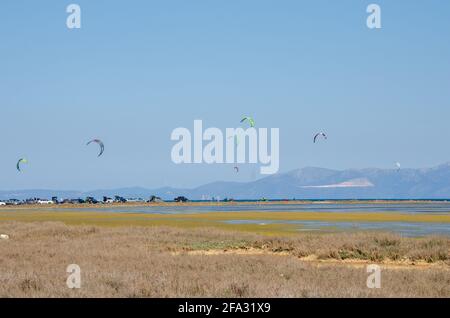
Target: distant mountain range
306,183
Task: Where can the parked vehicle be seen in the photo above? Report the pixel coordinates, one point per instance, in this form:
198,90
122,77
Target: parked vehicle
45,202
107,200
91,200
13,202
181,199
155,199
77,201
119,199
135,200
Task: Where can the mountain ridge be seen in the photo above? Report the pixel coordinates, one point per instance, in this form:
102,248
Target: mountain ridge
303,183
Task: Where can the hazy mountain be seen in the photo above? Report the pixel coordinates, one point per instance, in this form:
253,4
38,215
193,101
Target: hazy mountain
39,193
306,183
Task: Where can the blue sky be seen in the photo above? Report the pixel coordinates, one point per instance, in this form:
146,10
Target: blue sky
138,69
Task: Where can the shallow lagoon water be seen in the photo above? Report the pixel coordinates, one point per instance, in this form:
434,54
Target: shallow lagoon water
405,208
403,228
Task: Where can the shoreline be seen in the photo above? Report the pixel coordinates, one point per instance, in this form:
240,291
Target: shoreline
221,203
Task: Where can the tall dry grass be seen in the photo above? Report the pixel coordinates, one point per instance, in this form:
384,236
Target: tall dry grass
141,262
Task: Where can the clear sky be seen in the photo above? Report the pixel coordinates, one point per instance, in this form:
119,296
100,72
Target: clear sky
138,69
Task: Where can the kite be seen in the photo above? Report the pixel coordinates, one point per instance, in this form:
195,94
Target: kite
319,134
250,120
22,160
100,143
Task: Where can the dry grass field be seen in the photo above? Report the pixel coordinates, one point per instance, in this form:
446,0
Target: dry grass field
161,261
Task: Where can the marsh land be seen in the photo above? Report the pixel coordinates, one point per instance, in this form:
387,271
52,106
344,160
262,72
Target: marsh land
133,254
